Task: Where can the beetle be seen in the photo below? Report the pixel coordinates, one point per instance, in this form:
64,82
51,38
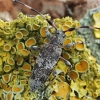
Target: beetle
49,54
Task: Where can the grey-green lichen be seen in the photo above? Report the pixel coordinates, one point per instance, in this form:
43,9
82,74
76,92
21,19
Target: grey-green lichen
92,42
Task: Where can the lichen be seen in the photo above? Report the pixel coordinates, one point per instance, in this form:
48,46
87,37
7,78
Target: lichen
92,37
24,32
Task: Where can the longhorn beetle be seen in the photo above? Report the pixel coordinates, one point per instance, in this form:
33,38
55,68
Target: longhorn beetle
49,54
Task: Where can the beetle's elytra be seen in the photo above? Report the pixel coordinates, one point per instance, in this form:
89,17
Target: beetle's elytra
48,57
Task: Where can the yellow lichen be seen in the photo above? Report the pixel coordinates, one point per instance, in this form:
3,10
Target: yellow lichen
63,90
20,60
7,90
6,47
24,52
13,50
29,26
66,41
79,44
19,35
26,67
96,18
20,46
6,78
43,31
73,74
24,31
7,68
15,69
17,89
9,96
82,66
36,26
10,61
30,42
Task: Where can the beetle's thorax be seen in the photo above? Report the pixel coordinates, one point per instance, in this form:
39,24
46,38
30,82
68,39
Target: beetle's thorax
58,38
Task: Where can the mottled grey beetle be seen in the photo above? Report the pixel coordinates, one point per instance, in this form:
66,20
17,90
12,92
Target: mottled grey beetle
49,54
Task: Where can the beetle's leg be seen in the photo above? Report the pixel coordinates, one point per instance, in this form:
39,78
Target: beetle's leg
72,44
69,65
66,62
34,48
48,33
32,56
43,92
55,73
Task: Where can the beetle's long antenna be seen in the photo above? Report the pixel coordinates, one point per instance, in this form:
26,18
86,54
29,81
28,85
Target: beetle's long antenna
90,27
36,12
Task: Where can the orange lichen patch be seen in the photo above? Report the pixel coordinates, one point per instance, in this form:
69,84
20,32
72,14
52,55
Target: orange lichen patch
24,31
2,96
9,96
64,28
36,27
61,77
95,95
13,50
82,66
26,67
10,61
79,45
43,31
20,60
14,77
63,90
29,27
6,47
19,35
68,23
6,78
66,41
7,90
73,74
46,40
17,89
68,33
73,98
66,55
24,52
27,74
16,40
30,42
3,85
20,46
7,68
